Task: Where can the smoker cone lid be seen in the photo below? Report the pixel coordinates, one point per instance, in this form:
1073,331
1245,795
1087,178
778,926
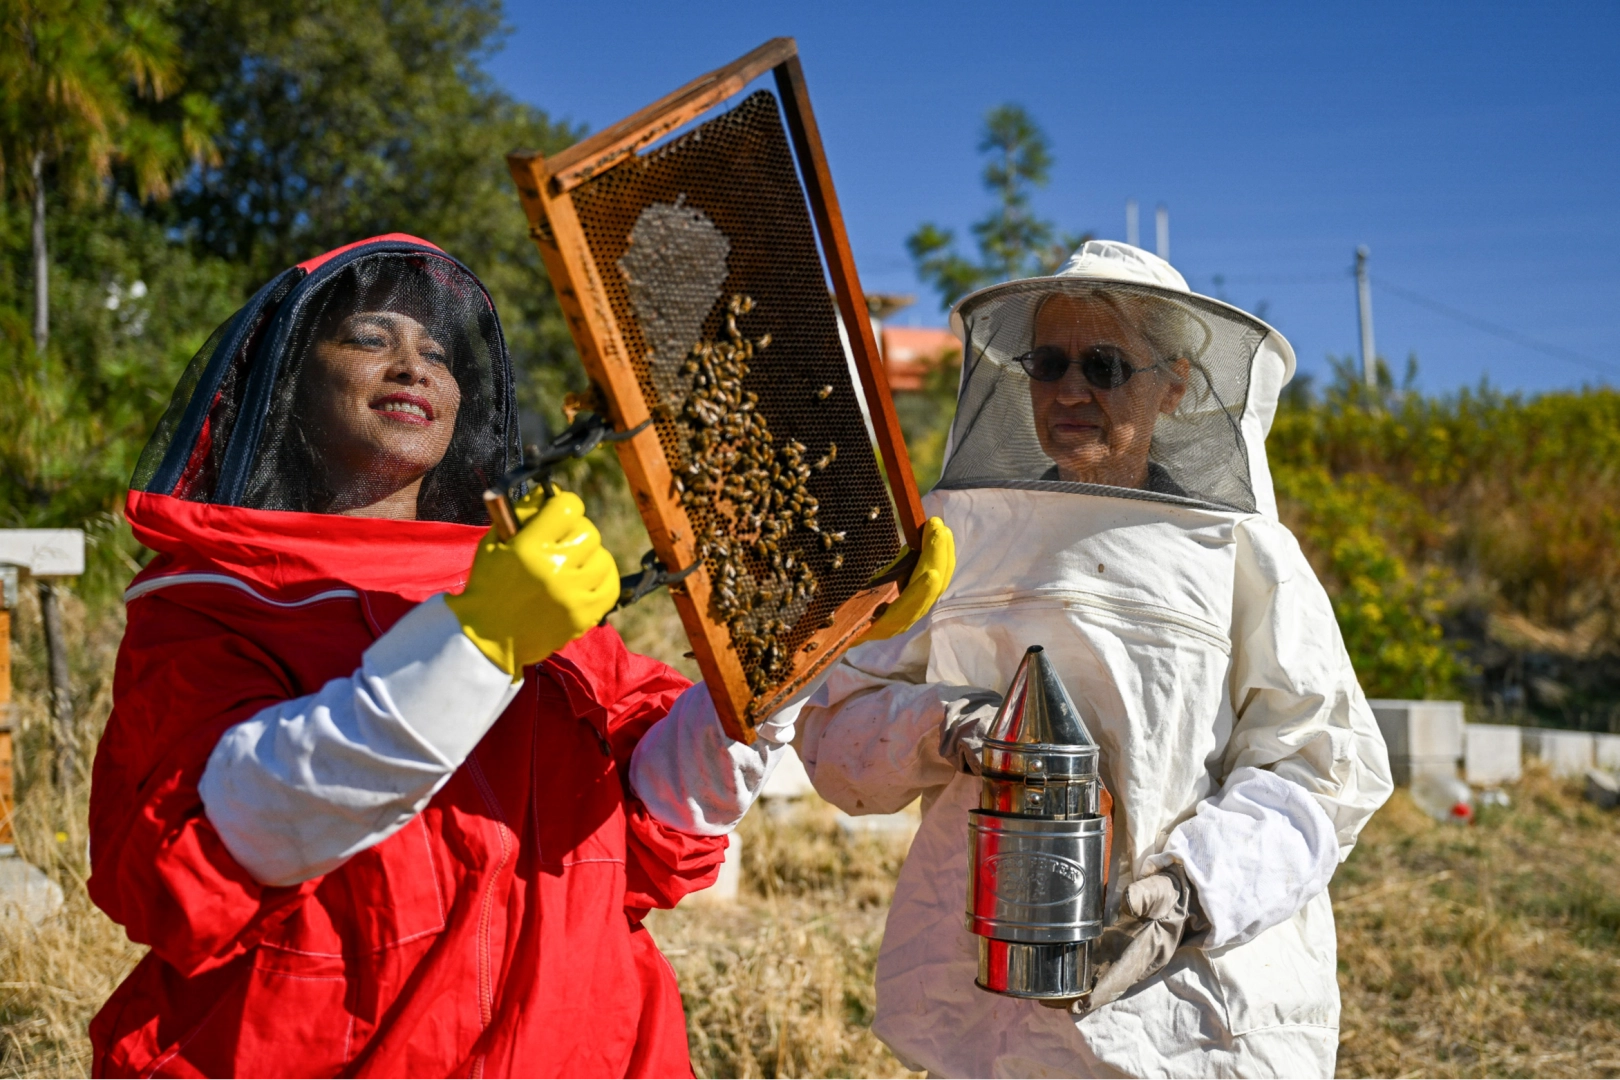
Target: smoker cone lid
1039,729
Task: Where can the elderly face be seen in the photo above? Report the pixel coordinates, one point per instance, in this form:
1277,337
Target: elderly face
1100,436
382,400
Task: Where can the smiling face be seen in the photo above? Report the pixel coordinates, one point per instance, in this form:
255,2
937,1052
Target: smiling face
1101,436
381,395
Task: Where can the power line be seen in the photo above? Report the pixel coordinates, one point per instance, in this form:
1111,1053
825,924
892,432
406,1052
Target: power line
1270,279
1484,326
1557,352
1280,279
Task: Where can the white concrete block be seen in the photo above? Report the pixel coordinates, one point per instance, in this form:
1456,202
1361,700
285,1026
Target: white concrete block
44,552
726,886
1606,752
1492,754
26,890
1602,788
788,780
1420,729
1565,753
1424,737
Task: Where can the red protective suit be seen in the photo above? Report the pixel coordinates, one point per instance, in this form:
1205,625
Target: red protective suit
498,934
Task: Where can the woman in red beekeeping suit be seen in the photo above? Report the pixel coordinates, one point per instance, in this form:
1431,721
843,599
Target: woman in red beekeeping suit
370,788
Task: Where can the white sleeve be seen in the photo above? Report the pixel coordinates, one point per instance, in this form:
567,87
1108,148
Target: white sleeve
1306,766
1257,851
694,777
305,784
870,736
1300,711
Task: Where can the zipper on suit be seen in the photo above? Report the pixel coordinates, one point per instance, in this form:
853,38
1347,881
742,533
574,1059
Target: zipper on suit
1130,610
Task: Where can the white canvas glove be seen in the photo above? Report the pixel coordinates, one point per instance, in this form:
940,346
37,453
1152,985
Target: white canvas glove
1155,914
1251,857
966,722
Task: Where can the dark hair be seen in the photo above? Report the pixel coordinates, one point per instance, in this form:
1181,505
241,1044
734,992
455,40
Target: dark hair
290,474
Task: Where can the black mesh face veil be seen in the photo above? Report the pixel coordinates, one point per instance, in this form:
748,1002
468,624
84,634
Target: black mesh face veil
1172,431
343,385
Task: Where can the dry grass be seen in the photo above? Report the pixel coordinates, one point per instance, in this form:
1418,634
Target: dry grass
1487,951
54,977
780,984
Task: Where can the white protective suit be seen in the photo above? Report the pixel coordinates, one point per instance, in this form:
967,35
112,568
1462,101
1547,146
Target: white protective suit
1205,659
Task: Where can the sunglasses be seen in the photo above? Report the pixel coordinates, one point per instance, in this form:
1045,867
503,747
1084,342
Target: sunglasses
1104,366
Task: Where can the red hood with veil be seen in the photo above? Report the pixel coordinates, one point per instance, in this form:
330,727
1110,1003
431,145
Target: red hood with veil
499,932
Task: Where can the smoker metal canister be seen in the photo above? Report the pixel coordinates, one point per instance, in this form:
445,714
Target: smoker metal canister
1036,843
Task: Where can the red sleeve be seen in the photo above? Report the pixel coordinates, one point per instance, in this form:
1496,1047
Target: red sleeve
625,693
158,868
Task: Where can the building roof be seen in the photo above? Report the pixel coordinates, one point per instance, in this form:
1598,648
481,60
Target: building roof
910,352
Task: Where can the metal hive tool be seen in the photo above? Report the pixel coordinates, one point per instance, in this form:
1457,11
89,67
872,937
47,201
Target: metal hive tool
695,289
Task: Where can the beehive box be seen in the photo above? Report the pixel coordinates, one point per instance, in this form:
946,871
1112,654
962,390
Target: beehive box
693,278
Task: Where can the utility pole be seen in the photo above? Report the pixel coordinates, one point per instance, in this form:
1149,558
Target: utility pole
1161,219
1369,354
1133,226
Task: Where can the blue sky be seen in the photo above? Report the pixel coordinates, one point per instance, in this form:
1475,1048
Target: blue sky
1474,148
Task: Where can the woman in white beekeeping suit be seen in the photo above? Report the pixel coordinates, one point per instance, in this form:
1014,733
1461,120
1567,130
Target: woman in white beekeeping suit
1108,489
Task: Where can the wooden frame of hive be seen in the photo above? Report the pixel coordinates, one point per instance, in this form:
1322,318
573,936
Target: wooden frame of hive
548,189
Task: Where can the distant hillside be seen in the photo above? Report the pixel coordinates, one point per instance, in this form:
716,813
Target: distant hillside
1471,542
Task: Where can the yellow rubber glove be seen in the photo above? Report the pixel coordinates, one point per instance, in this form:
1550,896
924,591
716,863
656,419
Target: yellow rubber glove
928,581
529,596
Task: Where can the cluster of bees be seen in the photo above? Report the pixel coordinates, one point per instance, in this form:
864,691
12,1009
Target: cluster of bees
748,495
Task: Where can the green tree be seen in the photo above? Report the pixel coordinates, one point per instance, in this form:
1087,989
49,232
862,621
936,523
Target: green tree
1012,241
76,78
74,75
342,119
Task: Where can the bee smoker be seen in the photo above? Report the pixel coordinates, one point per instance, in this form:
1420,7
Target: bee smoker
1038,843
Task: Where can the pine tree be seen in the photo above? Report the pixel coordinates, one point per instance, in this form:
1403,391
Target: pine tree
1012,241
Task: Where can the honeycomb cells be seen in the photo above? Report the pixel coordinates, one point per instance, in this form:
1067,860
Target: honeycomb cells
707,254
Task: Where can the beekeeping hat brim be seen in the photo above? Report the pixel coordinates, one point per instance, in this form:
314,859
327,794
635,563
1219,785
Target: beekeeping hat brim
1110,261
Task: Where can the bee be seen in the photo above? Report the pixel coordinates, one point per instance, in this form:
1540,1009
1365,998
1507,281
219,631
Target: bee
838,561
873,514
824,393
